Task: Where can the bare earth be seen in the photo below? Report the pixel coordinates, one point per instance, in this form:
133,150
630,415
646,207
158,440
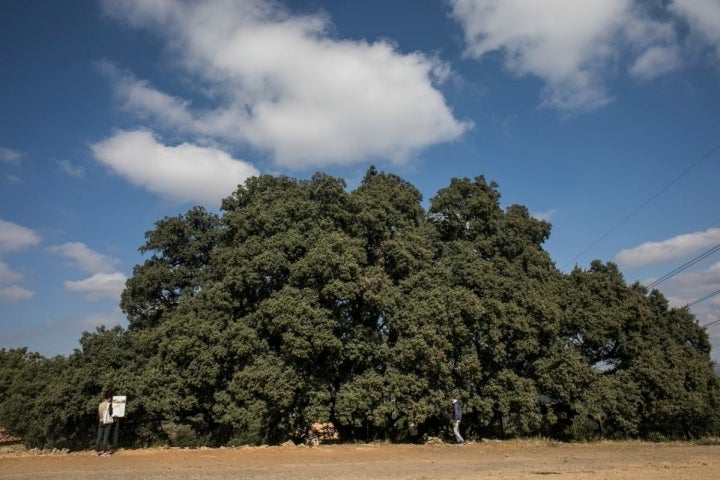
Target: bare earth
505,460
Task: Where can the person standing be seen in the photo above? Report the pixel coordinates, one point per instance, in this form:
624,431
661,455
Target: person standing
105,422
115,434
118,413
457,416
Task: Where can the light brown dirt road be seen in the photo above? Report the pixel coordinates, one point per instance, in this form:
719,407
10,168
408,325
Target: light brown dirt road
492,460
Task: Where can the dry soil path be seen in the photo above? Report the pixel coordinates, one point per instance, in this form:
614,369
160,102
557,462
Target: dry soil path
487,460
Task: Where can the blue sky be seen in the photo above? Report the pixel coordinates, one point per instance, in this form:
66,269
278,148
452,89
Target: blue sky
600,116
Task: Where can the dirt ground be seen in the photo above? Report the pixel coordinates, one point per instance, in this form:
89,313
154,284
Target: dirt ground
490,459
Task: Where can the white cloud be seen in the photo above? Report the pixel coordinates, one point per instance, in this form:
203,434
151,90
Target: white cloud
58,336
13,179
138,96
654,253
567,54
70,169
656,61
16,237
108,319
687,288
8,275
14,293
574,47
186,172
100,285
703,17
105,281
287,87
85,258
545,216
10,156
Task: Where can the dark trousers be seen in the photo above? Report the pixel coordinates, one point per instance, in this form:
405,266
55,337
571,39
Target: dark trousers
103,437
116,434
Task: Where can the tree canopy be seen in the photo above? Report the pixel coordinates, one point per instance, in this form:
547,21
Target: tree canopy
302,302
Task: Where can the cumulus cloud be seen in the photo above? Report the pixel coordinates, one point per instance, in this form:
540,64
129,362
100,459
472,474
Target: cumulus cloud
105,281
138,96
656,61
14,293
85,258
697,287
8,275
576,47
185,172
10,156
15,237
100,285
107,319
59,336
563,43
13,179
283,84
545,216
655,253
703,18
688,287
71,169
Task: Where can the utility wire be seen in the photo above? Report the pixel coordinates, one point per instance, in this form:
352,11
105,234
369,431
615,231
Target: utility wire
635,273
684,266
711,323
709,295
631,214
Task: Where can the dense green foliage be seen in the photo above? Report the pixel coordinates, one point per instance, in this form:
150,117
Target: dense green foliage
303,303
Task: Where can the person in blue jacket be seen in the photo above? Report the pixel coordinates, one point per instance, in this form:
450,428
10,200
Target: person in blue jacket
457,416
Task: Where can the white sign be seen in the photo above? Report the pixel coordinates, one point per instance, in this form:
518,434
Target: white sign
118,404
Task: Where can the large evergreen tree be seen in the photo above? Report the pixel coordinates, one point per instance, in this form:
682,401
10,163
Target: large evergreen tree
302,302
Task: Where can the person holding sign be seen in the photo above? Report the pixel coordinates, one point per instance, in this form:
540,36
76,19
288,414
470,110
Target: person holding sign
118,412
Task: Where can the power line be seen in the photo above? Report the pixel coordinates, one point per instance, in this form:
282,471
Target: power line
709,295
635,273
711,323
631,214
684,266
